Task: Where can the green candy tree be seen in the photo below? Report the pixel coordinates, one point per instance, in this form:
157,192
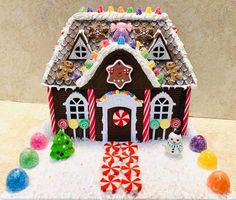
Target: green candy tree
62,147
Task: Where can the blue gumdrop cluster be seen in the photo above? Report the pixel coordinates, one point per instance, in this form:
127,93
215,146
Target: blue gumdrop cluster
17,180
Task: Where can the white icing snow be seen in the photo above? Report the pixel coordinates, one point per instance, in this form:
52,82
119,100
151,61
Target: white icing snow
163,176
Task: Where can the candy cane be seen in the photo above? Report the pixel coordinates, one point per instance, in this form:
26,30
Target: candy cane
146,115
91,103
186,112
52,112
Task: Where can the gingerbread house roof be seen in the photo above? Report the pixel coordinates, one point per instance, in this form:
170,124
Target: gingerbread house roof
81,23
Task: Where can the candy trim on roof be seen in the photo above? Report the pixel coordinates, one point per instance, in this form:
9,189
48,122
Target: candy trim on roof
108,50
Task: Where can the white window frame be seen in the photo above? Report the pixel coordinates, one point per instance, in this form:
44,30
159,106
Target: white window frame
68,105
170,105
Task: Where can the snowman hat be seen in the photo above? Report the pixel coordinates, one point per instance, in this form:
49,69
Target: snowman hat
177,132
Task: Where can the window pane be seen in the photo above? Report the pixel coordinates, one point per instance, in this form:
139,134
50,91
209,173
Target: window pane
72,102
162,100
73,116
73,108
157,108
81,116
76,100
80,108
166,102
156,116
81,102
164,116
165,108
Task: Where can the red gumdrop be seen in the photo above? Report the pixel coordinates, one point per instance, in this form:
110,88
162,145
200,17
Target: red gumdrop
38,141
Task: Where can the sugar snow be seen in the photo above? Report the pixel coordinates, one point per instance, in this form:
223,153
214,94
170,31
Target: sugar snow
163,176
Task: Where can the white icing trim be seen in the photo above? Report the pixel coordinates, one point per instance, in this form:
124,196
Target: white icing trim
119,100
111,48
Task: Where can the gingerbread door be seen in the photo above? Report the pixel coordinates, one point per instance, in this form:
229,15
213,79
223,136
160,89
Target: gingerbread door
119,124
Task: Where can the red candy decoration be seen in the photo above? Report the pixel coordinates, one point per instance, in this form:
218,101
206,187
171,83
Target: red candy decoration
130,146
175,123
111,157
110,169
131,184
100,9
121,118
129,157
110,183
158,11
112,146
62,124
130,169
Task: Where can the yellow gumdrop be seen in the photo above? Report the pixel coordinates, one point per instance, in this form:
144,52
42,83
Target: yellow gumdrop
138,44
110,9
207,160
151,64
149,10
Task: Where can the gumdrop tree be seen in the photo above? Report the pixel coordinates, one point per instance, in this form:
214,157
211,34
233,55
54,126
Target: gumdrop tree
62,147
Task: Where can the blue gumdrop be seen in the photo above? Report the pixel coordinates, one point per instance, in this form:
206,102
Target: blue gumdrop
89,10
76,75
133,44
139,11
17,180
121,40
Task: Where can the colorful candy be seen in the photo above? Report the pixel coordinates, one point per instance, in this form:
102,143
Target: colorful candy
129,157
94,55
17,180
151,64
198,143
121,40
130,9
89,10
111,157
207,160
82,9
139,11
76,75
156,71
110,169
158,11
131,147
38,141
110,183
62,124
175,123
112,146
100,9
130,169
120,9
160,78
88,64
219,182
154,124
148,10
29,158
131,184
165,124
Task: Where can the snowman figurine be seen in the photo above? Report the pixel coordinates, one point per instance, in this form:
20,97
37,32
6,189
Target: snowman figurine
174,145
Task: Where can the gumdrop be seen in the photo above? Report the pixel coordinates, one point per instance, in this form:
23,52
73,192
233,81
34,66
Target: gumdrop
29,158
207,160
121,40
198,143
17,180
219,182
38,141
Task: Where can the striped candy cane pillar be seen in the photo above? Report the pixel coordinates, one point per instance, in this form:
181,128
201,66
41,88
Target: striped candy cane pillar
91,103
186,112
52,112
146,115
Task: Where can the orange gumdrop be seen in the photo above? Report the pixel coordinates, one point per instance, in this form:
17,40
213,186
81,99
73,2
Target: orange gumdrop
219,182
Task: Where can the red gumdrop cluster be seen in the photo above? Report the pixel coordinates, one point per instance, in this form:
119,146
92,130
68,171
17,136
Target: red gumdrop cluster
38,141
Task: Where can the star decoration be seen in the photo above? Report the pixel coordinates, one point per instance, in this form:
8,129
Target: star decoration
119,74
98,32
144,33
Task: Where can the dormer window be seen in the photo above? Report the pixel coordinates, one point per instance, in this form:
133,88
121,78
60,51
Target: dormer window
158,50
81,49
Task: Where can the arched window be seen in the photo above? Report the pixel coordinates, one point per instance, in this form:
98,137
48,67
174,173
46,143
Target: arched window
162,106
76,106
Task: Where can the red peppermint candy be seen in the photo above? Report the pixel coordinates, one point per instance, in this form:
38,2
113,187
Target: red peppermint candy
175,123
121,118
110,169
128,157
111,157
131,184
112,146
129,146
110,183
130,169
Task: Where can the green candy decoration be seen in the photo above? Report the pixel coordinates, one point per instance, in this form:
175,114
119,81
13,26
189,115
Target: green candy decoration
88,64
84,123
62,147
82,9
154,124
160,78
130,9
145,55
29,158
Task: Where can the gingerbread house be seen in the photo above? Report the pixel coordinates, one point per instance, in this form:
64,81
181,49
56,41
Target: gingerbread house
127,73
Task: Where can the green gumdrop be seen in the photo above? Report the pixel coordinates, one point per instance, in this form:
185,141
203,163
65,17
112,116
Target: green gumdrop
82,9
130,9
145,55
88,64
160,78
28,158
